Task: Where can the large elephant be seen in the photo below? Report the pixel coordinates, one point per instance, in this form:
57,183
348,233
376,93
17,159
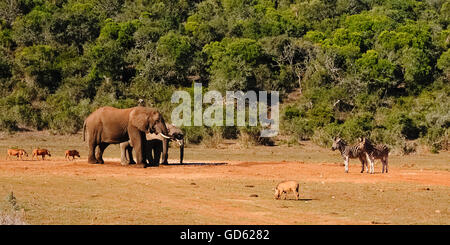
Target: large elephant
154,147
108,125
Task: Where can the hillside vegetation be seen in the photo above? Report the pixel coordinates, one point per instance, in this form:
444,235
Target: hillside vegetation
379,68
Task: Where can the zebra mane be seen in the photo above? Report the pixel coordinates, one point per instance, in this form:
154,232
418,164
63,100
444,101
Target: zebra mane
344,143
368,145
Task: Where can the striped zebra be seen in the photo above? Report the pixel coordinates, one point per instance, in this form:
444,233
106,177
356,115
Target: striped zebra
348,152
379,151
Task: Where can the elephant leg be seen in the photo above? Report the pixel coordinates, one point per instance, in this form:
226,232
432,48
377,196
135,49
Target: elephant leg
102,147
149,152
137,139
157,153
130,155
91,154
124,158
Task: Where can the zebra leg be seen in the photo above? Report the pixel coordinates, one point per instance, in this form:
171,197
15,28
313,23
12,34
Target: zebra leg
362,163
372,165
385,164
346,164
370,160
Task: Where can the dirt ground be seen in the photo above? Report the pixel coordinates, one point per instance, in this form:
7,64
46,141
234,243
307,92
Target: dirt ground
238,192
221,184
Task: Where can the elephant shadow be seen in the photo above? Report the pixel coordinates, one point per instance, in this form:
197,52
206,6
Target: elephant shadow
196,164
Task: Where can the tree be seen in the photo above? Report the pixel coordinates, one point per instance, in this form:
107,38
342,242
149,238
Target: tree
443,63
232,62
75,24
31,28
376,71
39,64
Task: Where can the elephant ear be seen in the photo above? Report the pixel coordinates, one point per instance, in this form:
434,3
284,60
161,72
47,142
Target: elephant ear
140,119
155,116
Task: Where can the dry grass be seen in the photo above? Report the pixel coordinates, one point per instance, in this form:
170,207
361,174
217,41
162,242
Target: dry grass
11,218
12,215
162,200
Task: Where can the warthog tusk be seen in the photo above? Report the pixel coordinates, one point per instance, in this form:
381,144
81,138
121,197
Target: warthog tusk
167,137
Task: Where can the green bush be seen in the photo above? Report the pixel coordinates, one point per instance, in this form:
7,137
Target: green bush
405,124
437,139
195,134
358,125
64,114
298,127
249,136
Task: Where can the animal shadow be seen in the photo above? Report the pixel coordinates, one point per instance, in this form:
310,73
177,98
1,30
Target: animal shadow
300,199
195,164
305,199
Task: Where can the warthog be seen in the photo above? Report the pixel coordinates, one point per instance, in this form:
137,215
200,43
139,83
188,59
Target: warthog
72,153
285,187
40,152
16,152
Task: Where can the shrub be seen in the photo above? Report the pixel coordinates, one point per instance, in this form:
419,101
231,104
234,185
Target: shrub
249,136
405,124
300,128
437,139
322,138
408,147
195,134
213,137
357,126
65,114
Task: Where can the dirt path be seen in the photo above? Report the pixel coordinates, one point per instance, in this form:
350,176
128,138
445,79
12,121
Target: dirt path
321,172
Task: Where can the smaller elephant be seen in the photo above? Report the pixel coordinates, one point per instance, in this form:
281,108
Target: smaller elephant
154,147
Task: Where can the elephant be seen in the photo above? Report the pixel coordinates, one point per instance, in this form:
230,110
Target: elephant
109,125
155,144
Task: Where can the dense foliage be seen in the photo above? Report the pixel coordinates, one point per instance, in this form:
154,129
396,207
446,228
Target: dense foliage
378,67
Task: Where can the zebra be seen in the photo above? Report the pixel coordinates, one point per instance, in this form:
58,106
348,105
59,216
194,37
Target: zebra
379,151
348,152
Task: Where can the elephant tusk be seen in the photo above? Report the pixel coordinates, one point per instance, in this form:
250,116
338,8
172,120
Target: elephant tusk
167,137
179,142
